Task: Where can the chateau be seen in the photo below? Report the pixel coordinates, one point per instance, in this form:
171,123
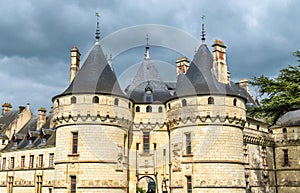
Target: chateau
193,135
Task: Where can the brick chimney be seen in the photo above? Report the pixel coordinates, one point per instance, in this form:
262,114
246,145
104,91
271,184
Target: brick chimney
244,84
75,63
220,64
41,118
6,107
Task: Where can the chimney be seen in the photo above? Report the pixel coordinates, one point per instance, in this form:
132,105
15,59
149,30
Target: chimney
75,62
21,108
41,118
6,107
220,64
182,65
244,84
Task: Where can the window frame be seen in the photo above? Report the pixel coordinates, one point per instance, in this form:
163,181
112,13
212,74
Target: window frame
74,142
146,142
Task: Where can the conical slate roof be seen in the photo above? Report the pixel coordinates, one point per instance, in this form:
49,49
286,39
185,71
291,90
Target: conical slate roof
148,76
95,76
199,79
291,118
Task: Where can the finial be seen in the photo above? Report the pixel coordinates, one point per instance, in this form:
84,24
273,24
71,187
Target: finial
97,29
203,31
147,55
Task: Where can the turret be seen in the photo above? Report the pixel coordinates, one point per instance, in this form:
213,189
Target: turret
75,62
220,64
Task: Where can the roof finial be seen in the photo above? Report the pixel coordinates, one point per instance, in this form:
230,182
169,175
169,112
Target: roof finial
203,31
147,55
97,29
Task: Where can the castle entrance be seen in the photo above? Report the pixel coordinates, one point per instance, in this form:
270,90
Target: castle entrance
146,184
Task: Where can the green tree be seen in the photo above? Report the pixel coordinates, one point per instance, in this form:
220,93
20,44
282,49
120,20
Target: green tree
280,94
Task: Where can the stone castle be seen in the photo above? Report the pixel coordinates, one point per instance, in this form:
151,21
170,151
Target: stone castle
193,135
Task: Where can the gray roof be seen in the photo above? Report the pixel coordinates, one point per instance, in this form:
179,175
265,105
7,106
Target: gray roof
95,76
148,75
8,118
291,118
200,80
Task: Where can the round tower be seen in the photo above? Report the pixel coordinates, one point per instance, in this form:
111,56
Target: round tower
92,118
206,120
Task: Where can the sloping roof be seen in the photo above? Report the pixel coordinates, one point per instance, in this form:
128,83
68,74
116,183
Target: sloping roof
200,80
95,76
291,118
148,75
8,118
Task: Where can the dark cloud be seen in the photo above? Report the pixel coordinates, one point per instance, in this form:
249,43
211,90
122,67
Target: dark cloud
36,37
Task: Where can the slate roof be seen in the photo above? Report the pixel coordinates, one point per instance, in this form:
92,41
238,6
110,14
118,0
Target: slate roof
200,80
148,75
291,118
95,76
8,118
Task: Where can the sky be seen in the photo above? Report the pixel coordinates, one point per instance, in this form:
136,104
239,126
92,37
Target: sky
36,38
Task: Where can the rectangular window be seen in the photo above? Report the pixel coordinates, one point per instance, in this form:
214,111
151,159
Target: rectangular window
40,161
285,157
39,183
188,147
75,143
189,184
12,163
146,141
4,163
22,162
31,160
10,184
51,160
73,184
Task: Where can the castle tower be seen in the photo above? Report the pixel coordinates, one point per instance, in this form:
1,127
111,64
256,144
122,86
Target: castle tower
92,118
206,120
220,64
75,63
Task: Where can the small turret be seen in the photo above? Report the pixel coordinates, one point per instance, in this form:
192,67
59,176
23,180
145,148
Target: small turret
75,62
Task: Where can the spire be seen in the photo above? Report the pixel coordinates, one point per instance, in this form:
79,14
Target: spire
97,29
203,31
147,56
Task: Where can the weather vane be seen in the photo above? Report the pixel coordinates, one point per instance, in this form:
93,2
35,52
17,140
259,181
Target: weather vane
97,29
203,31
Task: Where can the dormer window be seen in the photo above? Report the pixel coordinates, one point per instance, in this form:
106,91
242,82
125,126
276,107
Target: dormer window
95,99
116,102
148,96
211,101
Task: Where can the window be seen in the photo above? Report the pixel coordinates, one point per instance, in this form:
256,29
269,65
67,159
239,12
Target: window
146,141
57,102
22,162
3,141
75,143
264,156
4,163
148,109
116,102
285,157
31,160
189,184
284,132
10,184
188,147
39,183
73,100
12,163
51,160
129,105
211,100
160,109
73,184
234,102
257,127
40,161
95,99
169,106
137,109
183,102
50,190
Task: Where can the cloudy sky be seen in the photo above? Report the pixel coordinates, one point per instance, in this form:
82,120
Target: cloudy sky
36,37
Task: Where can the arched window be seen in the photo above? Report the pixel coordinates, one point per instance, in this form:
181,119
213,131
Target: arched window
57,102
137,109
73,100
95,99
148,109
211,101
160,109
183,102
234,102
116,102
284,132
129,105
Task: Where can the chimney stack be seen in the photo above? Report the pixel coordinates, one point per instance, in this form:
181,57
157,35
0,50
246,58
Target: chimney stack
182,65
244,84
6,107
75,62
220,64
41,118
